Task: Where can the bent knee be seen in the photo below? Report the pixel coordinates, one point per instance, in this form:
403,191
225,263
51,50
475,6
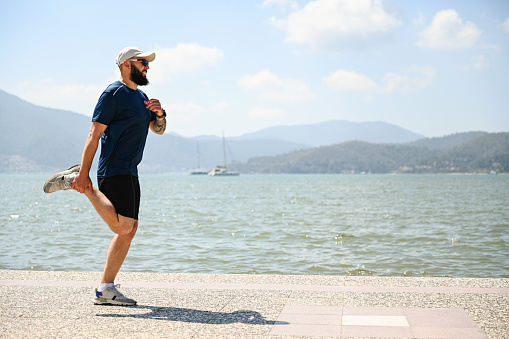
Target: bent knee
125,226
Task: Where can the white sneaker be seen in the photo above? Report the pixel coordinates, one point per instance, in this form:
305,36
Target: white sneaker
112,296
62,180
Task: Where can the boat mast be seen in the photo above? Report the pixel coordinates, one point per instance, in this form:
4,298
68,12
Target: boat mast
198,152
224,150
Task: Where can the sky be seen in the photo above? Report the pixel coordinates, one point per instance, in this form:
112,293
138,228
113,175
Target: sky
434,67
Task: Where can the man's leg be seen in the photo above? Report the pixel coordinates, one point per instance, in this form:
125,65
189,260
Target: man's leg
124,227
118,223
117,253
117,194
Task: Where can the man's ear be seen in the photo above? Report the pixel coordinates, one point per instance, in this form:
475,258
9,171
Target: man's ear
127,64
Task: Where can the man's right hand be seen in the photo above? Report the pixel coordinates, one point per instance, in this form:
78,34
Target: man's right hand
81,183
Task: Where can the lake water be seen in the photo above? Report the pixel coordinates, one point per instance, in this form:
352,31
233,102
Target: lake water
380,225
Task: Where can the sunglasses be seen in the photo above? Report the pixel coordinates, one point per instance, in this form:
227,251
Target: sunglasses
144,62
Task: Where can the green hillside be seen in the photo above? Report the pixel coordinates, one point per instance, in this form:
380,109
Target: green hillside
483,153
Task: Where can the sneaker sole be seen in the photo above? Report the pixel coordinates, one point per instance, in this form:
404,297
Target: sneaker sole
75,168
102,301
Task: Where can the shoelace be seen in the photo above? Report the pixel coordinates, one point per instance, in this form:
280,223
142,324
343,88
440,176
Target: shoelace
116,287
66,181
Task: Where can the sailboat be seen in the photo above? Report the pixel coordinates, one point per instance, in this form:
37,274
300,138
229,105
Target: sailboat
222,170
198,170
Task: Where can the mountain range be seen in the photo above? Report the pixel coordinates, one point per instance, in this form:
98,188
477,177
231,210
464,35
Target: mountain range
40,139
335,132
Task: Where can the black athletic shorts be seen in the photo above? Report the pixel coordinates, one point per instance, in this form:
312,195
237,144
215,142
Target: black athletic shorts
124,193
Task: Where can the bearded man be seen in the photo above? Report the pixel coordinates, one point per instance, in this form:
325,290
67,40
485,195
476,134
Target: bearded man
121,120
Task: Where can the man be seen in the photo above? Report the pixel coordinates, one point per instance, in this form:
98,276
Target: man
121,120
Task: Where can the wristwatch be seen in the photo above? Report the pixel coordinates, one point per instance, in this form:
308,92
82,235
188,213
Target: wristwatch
162,116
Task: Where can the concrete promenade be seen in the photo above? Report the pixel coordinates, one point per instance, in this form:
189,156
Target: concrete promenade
59,305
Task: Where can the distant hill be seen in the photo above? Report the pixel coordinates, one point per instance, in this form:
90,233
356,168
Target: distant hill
448,141
485,153
337,131
489,152
36,138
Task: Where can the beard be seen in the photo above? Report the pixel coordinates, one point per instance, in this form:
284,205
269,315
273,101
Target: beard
137,77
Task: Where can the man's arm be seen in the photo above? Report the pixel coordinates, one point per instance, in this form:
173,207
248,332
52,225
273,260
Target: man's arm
82,180
157,126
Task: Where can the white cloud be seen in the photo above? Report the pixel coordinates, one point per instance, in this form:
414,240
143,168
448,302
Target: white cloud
220,106
447,30
415,77
271,87
260,80
343,80
339,24
506,25
183,58
266,113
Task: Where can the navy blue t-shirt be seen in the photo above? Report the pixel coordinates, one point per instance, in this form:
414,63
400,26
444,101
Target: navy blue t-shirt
124,112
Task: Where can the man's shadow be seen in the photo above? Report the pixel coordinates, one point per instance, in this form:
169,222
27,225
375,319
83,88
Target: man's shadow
196,316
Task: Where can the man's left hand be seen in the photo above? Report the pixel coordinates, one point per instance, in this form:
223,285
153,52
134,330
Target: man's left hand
155,106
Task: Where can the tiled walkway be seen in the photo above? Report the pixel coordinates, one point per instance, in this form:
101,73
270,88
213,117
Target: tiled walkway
376,322
58,304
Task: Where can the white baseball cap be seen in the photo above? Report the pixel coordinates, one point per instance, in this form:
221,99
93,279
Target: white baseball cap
132,52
